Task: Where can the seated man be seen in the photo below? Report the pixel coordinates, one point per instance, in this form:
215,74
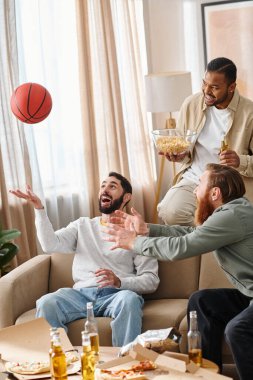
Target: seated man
114,283
224,219
223,121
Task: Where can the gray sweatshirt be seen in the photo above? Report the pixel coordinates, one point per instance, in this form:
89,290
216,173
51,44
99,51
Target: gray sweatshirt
84,238
228,232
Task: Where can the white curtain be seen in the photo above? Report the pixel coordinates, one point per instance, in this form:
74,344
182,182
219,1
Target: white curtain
47,54
15,167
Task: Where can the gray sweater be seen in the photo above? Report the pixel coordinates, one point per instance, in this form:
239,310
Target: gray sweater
84,237
228,232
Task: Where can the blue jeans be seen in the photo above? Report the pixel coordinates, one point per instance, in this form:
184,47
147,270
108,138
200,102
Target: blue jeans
123,306
229,313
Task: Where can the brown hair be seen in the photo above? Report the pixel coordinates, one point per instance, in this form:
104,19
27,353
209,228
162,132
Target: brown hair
228,180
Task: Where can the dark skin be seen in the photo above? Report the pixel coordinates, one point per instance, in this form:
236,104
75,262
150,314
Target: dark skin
217,93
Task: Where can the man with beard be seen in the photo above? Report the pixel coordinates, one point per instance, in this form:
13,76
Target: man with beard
223,120
224,219
114,283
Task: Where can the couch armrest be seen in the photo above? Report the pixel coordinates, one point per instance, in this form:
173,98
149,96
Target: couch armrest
20,288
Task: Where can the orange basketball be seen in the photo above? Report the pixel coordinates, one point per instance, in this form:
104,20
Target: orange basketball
31,103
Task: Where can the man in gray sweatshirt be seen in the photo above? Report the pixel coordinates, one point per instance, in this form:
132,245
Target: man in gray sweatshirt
114,283
224,219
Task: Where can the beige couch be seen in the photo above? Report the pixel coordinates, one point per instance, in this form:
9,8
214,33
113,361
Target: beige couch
20,289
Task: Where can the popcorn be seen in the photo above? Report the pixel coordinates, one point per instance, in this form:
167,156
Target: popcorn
172,144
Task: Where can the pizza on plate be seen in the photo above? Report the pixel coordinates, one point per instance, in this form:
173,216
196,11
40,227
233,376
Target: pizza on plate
27,368
36,367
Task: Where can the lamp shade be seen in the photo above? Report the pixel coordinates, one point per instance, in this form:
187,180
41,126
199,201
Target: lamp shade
165,92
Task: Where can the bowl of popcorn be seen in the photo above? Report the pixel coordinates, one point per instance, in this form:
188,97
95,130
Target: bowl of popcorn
172,141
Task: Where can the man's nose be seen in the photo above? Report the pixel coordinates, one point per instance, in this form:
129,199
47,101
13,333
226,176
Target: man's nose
207,89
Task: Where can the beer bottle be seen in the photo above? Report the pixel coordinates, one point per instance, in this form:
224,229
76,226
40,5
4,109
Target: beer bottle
91,327
58,359
52,330
224,145
194,340
87,358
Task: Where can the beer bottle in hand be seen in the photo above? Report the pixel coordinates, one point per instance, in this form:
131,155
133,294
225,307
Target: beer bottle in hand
87,358
91,327
58,359
194,340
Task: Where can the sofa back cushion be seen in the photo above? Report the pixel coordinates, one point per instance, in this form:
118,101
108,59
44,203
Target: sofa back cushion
61,271
178,279
211,275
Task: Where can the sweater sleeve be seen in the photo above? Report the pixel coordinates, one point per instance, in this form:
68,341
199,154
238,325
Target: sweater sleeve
63,240
146,279
221,229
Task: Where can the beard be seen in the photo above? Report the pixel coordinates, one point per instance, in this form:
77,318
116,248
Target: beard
113,206
204,210
218,101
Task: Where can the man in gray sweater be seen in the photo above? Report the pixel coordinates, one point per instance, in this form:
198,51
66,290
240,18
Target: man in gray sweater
114,283
224,219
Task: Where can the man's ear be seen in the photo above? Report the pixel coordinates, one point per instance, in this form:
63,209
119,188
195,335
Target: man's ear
216,194
232,87
127,197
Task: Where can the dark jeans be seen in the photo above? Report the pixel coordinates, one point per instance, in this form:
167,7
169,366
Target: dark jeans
225,312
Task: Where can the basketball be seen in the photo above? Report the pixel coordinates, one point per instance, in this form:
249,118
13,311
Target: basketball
31,103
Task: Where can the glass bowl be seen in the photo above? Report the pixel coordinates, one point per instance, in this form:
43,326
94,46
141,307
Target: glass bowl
172,141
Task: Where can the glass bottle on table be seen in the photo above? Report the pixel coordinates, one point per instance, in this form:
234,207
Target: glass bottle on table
194,340
58,359
92,328
87,358
52,330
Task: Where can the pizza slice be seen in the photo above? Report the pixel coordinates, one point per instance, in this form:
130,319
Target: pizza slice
27,368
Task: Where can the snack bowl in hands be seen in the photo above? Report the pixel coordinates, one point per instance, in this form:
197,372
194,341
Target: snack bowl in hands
173,142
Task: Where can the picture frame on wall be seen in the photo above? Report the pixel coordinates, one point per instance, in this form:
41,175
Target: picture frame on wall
228,32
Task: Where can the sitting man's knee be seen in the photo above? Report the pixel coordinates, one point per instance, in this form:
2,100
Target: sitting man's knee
232,332
47,302
196,298
131,300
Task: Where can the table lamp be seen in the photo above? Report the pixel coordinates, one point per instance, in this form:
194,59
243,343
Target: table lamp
165,92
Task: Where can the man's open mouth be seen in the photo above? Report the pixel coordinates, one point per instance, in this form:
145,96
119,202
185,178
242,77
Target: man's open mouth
105,200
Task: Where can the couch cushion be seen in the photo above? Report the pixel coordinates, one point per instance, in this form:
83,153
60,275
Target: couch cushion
164,313
26,317
178,279
61,271
211,275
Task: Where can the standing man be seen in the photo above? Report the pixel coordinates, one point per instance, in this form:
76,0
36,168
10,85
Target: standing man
223,120
114,283
224,220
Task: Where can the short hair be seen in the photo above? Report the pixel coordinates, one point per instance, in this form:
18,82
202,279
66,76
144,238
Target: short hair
225,66
126,185
228,180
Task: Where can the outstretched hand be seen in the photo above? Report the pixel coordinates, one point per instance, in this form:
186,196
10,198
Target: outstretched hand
129,222
29,196
120,236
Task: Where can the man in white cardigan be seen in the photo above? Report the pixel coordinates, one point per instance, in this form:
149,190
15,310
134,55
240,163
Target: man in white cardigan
114,283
